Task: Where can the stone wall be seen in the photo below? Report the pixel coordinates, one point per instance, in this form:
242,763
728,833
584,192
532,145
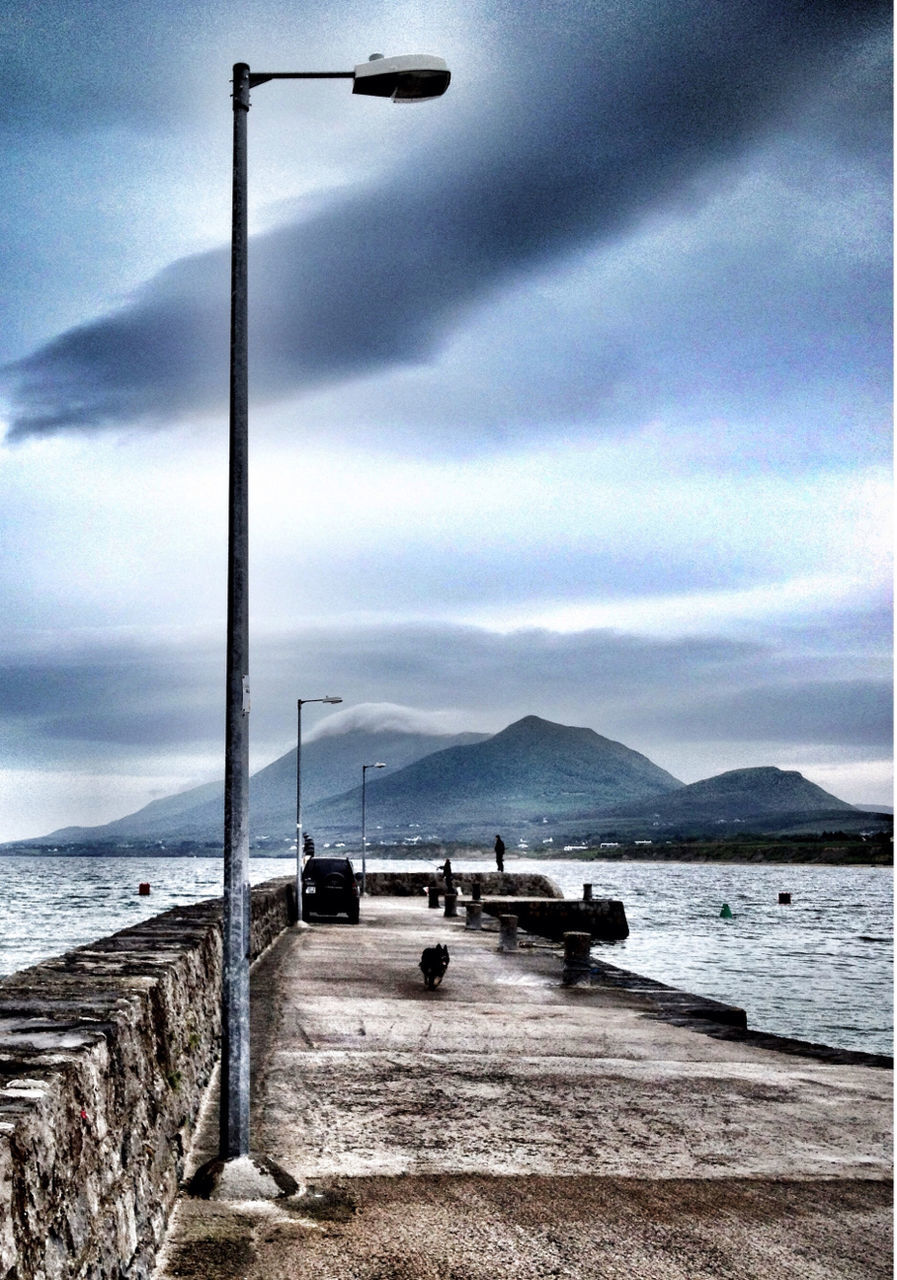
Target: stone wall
537,902
603,918
105,1054
406,884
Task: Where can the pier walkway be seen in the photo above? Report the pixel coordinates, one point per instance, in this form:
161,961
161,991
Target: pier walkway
504,1127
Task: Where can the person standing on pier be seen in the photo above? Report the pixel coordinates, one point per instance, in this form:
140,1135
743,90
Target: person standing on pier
499,853
446,870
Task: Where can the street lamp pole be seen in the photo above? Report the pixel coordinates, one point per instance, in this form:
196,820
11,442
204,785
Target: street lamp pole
405,78
300,703
364,844
234,1116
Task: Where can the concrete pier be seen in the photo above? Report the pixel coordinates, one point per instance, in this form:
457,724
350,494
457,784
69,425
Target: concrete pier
507,1123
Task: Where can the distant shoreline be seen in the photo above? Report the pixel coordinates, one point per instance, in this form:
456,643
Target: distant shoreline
836,853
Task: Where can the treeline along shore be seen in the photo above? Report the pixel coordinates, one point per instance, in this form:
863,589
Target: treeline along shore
830,848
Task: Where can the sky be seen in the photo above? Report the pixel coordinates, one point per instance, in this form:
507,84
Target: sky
570,392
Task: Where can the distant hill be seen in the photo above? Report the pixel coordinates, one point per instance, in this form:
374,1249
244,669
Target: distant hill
330,764
531,771
748,797
533,780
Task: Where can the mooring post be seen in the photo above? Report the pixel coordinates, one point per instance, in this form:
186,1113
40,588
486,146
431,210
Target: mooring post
433,894
587,893
507,933
451,905
577,962
476,889
474,915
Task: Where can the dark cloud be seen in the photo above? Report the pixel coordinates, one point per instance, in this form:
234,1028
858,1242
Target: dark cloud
694,706
126,697
637,689
843,713
591,124
131,696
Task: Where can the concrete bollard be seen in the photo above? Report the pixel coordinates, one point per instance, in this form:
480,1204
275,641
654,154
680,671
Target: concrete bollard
474,915
577,961
433,894
475,890
507,933
451,905
587,893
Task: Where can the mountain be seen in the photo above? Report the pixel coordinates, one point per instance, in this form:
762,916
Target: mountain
330,764
534,779
531,771
749,797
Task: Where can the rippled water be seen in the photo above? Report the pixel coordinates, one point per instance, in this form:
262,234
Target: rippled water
820,969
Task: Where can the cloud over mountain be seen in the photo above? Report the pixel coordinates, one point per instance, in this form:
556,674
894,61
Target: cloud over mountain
380,717
570,392
594,124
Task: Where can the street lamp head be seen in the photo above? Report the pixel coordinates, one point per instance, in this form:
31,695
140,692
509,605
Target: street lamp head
411,77
331,699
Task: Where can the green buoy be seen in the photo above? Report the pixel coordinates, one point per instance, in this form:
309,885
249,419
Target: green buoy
726,913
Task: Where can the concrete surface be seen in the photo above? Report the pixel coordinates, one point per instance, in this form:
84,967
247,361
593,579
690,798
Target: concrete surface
506,1125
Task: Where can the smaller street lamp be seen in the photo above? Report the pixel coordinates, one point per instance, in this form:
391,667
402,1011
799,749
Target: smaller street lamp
364,773
299,705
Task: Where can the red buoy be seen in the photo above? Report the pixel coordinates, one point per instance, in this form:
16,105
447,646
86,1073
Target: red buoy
143,889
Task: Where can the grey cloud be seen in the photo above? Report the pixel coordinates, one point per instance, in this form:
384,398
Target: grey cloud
78,68
595,124
635,689
128,697
381,717
835,713
134,699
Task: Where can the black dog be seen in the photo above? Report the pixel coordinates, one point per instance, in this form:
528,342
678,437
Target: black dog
433,963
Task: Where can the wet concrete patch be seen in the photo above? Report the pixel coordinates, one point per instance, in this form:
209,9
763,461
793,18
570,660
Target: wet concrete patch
588,1228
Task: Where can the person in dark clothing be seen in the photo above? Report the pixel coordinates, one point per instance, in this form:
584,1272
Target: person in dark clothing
446,870
499,853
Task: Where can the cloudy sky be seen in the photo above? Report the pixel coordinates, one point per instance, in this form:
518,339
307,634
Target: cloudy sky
570,391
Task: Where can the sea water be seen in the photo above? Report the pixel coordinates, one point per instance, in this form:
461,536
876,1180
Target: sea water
819,969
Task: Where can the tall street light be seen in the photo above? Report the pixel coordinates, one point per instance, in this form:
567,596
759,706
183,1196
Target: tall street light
364,843
300,703
406,78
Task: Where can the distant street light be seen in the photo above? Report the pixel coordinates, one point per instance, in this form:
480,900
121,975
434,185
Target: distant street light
300,703
364,843
406,78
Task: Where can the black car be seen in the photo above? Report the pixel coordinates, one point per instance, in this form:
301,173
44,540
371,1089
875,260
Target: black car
329,888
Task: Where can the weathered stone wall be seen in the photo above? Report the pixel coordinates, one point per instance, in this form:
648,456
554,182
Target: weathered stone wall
407,884
105,1054
603,918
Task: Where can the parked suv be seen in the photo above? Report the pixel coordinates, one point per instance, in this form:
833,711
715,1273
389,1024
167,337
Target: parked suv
329,888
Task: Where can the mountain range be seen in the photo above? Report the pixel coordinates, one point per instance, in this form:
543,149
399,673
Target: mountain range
533,772
331,764
533,780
